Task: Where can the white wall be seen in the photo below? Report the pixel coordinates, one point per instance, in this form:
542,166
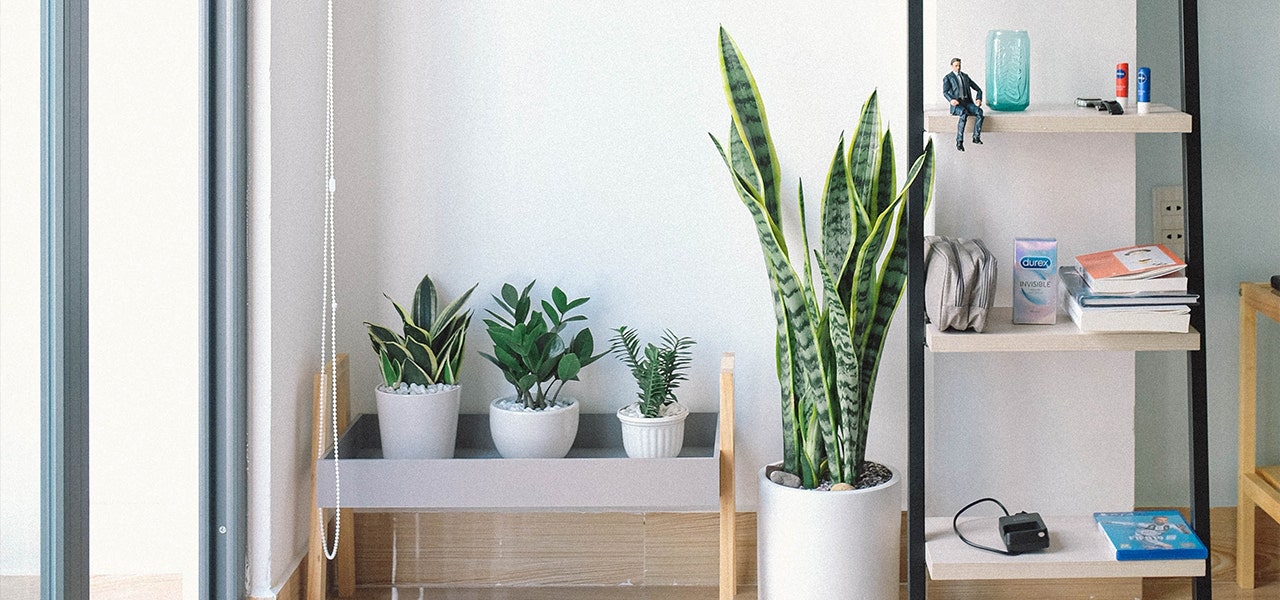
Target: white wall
286,165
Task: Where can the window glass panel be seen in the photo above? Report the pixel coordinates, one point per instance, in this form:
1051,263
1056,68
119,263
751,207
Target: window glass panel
19,299
143,299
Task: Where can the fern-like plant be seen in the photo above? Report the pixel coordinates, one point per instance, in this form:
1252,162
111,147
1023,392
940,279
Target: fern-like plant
658,369
829,342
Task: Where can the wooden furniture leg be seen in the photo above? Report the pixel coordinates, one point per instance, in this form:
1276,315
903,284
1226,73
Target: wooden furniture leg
317,565
728,497
1245,512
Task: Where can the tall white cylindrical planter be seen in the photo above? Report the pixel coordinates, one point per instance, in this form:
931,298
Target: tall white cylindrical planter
545,433
656,437
815,544
418,425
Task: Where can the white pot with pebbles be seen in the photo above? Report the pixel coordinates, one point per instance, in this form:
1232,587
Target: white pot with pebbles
812,542
418,421
520,431
419,397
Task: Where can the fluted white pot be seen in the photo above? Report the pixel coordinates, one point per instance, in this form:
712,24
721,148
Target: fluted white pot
418,425
815,544
655,437
547,433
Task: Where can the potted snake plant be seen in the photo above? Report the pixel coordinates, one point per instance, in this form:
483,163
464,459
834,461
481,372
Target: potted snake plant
653,426
833,304
419,394
537,357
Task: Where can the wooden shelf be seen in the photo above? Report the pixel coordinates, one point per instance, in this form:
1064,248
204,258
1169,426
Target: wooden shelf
1076,549
597,475
1001,335
1067,118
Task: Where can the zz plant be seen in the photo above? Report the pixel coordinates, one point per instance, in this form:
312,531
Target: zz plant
528,346
658,370
430,351
829,343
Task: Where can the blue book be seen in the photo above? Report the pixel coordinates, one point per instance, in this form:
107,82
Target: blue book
1150,535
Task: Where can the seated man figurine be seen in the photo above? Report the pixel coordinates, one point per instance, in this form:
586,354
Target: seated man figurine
955,88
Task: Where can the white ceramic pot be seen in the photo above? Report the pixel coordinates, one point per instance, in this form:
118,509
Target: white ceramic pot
418,425
657,437
533,434
828,544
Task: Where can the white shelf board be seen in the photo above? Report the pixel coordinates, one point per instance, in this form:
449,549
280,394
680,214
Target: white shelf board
1076,549
597,475
1066,118
1002,335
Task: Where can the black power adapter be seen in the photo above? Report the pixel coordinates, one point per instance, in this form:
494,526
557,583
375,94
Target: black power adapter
1024,532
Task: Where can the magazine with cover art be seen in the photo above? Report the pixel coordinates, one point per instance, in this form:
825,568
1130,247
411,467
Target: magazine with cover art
1150,535
1131,262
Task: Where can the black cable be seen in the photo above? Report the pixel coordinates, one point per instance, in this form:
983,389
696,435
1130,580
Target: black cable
956,528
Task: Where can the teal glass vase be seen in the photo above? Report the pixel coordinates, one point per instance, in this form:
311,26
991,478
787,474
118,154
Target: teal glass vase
1008,70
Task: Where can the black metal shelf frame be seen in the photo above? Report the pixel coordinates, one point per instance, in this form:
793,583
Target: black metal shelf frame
1197,386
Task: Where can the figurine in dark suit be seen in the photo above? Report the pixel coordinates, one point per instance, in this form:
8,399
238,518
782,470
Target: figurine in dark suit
955,88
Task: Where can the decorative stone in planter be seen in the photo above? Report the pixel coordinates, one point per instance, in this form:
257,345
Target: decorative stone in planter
519,432
826,544
422,424
657,437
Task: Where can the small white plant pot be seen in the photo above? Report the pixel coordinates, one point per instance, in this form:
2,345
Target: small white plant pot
814,544
519,433
657,437
418,425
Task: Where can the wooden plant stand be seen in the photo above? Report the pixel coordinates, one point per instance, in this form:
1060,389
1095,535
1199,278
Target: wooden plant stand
618,481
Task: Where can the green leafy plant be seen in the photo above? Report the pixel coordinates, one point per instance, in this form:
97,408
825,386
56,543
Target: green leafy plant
658,369
430,351
528,346
829,344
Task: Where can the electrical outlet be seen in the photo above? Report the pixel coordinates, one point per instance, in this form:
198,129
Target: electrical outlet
1168,218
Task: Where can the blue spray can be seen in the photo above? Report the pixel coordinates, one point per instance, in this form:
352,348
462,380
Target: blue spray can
1144,90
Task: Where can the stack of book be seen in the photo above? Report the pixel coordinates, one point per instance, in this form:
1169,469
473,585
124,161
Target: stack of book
1136,288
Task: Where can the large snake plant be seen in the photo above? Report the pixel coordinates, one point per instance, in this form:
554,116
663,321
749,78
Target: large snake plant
828,344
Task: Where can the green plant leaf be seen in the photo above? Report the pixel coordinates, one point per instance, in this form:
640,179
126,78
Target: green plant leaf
419,334
862,152
424,358
886,183
837,211
562,301
424,302
551,312
509,295
449,313
742,162
568,367
522,309
412,373
848,411
390,370
405,316
749,119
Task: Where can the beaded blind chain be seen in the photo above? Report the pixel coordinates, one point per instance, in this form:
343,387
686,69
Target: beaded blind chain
329,305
